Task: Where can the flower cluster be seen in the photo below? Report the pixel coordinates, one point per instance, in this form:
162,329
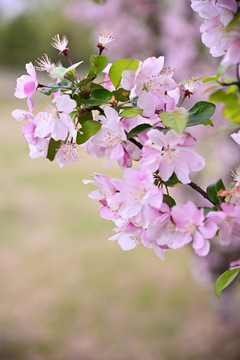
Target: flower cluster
135,118
221,28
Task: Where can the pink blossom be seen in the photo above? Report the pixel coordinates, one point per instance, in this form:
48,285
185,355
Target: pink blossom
27,85
170,155
136,196
110,138
38,146
191,224
211,8
152,84
128,237
103,195
67,153
232,55
56,122
159,232
228,221
22,115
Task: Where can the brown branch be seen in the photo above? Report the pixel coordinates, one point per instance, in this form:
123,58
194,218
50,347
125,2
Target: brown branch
200,191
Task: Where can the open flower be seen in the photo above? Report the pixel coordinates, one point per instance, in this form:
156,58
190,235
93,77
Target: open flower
56,122
191,225
170,155
152,84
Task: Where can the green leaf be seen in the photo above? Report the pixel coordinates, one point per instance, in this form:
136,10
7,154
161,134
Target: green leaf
97,64
53,148
177,119
118,67
225,279
230,99
200,113
167,199
60,72
213,189
86,81
84,117
138,130
121,95
172,181
88,129
130,112
98,97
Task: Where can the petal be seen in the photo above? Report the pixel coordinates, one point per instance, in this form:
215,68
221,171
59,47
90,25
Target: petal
65,103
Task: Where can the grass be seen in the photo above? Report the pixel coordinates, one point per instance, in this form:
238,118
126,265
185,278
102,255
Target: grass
68,293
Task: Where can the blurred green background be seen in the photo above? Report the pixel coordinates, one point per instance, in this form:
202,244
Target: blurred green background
66,293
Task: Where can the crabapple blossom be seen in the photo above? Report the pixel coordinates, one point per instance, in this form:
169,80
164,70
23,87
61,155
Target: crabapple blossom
228,221
111,140
128,237
67,153
103,195
22,115
38,146
171,155
217,15
152,84
27,85
136,196
56,122
192,226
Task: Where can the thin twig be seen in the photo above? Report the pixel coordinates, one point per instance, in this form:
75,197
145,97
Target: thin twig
135,142
200,191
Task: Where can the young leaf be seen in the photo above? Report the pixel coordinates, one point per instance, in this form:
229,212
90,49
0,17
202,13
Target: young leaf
200,113
138,130
118,67
88,129
130,112
53,148
213,189
225,279
177,120
98,64
98,97
60,72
